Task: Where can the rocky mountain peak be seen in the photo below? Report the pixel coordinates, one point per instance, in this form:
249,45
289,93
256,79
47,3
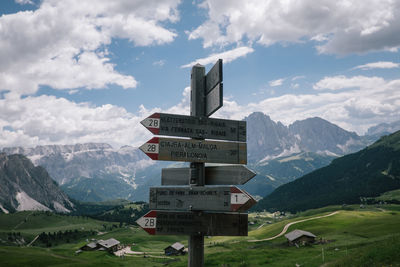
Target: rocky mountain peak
268,139
26,187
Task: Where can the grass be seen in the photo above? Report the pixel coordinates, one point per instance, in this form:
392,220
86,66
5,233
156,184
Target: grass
389,196
357,237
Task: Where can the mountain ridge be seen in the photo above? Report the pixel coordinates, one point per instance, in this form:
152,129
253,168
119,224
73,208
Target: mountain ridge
98,172
367,173
26,187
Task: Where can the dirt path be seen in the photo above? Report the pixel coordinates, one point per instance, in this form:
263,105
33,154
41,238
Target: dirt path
33,241
290,224
21,222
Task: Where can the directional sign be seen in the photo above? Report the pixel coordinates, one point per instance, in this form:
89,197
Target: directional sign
214,76
214,89
195,127
226,198
158,222
214,100
191,150
214,175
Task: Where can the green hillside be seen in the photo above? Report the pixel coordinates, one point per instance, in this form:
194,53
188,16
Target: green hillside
352,237
367,173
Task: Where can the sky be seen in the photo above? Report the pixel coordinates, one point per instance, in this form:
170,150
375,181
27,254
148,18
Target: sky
78,71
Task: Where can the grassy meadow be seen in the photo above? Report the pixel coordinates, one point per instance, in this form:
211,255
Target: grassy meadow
352,237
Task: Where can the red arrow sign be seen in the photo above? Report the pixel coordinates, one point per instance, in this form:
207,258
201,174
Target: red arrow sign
152,123
208,198
148,222
241,200
191,150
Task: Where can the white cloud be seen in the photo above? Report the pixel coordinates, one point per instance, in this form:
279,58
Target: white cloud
341,27
63,44
159,63
277,82
24,2
226,56
294,85
342,82
298,77
43,120
354,110
378,65
32,121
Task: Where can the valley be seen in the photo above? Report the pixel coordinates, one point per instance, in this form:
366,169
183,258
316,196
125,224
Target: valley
350,236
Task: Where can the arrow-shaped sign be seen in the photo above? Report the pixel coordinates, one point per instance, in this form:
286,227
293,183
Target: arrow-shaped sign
214,175
158,222
191,150
225,198
195,127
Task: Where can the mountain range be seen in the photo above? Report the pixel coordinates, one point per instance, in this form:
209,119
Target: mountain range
367,173
278,153
26,187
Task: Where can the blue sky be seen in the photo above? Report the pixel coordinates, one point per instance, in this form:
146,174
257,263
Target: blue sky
88,71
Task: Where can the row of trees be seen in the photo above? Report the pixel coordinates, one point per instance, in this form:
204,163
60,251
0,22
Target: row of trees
55,238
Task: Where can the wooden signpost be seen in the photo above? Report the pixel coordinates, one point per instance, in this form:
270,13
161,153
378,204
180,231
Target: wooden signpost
227,198
157,222
195,209
214,175
192,150
195,127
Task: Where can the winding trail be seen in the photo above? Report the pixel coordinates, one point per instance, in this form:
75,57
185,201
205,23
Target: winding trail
36,237
291,223
23,221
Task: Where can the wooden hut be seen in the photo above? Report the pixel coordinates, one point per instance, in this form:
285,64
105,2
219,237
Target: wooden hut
175,249
300,237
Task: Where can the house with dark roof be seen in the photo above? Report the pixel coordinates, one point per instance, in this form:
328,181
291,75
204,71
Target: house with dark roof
90,246
300,237
175,249
111,245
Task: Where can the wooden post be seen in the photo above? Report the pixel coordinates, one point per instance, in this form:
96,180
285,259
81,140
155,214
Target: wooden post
197,178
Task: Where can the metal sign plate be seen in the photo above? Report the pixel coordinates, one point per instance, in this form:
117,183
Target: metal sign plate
226,198
195,127
190,150
158,222
214,175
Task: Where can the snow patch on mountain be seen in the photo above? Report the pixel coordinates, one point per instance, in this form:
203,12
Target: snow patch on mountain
270,177
3,209
60,208
327,153
346,147
25,202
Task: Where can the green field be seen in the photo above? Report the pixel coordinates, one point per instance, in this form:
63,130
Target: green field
389,196
353,237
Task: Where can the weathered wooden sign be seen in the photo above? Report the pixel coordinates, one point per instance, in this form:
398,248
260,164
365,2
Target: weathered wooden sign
158,222
214,99
214,89
191,150
214,175
224,198
195,127
214,76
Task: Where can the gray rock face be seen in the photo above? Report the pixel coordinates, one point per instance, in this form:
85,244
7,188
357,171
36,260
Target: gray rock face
93,171
68,162
26,187
384,129
268,139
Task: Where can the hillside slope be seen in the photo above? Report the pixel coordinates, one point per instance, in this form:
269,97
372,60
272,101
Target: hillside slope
367,173
26,187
